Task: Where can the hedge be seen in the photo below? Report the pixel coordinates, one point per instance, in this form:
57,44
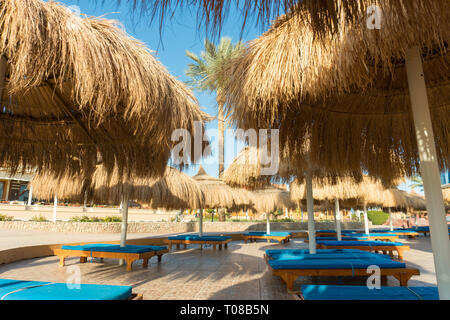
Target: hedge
377,217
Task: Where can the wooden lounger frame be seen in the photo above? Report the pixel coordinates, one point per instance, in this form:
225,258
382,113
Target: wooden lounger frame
128,257
290,275
383,249
185,242
423,231
392,238
253,238
136,296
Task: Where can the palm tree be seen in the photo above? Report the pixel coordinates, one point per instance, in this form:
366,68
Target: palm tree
205,75
417,183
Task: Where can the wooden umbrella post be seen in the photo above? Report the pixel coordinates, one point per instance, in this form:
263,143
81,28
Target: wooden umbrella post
337,219
391,225
55,206
200,223
366,220
310,207
429,170
268,223
30,197
123,234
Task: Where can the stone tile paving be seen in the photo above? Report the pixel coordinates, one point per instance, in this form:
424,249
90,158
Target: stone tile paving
238,273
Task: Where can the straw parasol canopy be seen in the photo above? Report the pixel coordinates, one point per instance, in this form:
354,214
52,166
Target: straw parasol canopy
175,190
218,194
270,199
446,193
213,13
78,90
348,89
368,192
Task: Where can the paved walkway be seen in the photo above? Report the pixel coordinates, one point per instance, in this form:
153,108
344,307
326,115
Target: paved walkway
237,273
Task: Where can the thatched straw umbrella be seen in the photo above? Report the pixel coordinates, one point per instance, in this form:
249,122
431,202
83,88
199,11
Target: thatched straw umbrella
79,91
218,194
175,190
269,199
446,193
74,86
325,87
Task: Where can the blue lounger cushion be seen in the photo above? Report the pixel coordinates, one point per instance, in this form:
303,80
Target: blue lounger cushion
393,232
359,255
334,292
354,263
421,228
37,290
358,243
334,231
102,247
264,234
343,238
270,252
198,238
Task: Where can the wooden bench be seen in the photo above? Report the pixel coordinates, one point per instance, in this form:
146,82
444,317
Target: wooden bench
280,239
379,249
288,276
171,242
128,257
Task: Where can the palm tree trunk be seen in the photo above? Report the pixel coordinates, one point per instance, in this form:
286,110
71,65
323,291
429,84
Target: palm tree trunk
220,125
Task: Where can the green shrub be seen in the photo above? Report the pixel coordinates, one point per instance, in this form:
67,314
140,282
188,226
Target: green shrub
4,217
96,219
112,219
39,218
377,217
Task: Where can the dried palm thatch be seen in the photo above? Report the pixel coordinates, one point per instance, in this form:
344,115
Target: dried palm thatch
175,190
76,87
213,13
415,201
246,170
446,193
347,90
269,199
369,191
218,194
65,187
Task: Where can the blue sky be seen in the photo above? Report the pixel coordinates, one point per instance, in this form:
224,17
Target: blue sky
178,35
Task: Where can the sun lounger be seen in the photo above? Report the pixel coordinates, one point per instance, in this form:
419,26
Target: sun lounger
421,229
293,254
37,290
290,270
334,292
129,253
373,246
407,233
214,241
281,237
361,236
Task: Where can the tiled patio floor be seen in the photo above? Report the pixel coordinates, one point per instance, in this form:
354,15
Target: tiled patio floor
237,273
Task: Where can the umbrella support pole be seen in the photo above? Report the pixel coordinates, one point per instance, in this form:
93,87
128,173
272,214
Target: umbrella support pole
429,170
391,225
366,220
268,223
310,206
200,223
337,219
123,234
55,206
